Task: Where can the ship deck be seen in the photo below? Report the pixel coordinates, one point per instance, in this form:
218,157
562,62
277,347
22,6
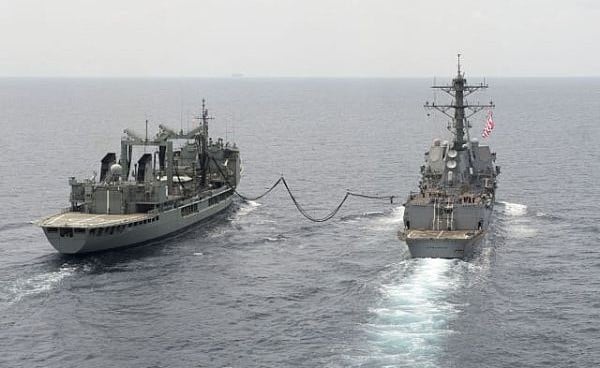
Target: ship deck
91,220
442,234
429,198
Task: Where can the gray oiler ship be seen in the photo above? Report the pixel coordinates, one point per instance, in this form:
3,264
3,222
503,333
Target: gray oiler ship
451,211
185,179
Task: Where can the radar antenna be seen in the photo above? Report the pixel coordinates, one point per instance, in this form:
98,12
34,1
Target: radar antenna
458,90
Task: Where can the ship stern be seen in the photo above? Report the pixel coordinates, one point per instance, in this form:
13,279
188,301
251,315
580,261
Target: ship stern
441,244
66,240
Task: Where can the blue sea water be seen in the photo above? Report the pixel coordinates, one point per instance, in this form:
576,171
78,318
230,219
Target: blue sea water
259,285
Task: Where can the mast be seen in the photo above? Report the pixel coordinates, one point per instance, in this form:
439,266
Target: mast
204,145
458,90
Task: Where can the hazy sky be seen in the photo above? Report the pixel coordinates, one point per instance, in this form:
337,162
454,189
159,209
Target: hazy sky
375,38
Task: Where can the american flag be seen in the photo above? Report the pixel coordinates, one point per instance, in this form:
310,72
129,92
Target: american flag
489,125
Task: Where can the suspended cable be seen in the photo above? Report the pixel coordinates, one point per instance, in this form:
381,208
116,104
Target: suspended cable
258,197
299,207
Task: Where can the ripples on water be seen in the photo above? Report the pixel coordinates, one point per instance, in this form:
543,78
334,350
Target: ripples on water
258,286
411,320
14,291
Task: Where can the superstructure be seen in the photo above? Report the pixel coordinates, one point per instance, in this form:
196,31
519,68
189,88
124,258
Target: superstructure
185,178
451,211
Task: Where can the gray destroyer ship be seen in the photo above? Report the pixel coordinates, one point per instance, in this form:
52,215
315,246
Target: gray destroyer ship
451,211
187,178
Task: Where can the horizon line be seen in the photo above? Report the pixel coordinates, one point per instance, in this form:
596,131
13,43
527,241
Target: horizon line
234,76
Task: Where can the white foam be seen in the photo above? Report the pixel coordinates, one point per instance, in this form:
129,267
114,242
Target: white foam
390,221
522,231
518,225
38,284
412,317
514,209
247,207
397,215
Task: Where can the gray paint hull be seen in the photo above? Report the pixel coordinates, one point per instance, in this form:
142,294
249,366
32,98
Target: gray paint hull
442,248
451,210
451,248
168,222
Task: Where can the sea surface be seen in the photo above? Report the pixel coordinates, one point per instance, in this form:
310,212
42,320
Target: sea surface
261,286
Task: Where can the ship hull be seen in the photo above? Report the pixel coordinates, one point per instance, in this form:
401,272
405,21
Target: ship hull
161,225
451,211
427,243
443,247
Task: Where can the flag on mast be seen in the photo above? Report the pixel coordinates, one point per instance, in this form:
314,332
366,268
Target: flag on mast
489,125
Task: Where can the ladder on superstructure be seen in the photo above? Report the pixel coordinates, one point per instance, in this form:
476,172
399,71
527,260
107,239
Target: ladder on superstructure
443,214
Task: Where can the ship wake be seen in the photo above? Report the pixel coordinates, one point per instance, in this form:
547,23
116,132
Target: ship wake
513,209
389,222
515,218
411,321
244,209
14,291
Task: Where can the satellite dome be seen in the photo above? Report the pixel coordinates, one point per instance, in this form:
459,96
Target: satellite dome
452,153
116,170
451,164
437,142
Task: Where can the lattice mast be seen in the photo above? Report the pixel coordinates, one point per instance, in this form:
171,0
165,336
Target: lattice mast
459,90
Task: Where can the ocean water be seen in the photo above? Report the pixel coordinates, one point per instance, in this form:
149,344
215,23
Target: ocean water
259,285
